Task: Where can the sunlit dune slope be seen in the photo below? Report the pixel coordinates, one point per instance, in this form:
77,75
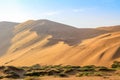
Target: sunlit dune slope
101,50
47,42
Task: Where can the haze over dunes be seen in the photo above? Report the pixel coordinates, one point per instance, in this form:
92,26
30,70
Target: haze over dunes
6,34
48,42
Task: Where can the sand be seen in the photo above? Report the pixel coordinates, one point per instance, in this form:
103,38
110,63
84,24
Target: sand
49,43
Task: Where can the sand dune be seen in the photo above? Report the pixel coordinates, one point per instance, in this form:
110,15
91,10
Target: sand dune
6,34
47,42
110,28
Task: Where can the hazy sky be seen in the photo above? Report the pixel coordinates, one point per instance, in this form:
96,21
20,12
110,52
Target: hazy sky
79,13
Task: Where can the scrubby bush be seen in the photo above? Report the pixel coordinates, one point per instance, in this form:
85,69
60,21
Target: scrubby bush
98,74
1,77
69,66
12,75
84,74
89,74
68,71
53,72
36,67
35,73
62,75
9,69
102,68
115,64
88,68
2,67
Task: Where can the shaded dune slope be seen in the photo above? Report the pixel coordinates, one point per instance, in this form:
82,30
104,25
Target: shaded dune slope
6,34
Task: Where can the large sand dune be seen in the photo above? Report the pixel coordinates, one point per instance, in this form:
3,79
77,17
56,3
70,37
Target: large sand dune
47,42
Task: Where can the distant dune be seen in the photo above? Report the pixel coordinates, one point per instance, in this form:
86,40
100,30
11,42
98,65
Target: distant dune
48,42
110,28
6,34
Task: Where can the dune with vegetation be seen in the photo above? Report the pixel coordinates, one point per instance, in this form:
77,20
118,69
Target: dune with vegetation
47,42
47,50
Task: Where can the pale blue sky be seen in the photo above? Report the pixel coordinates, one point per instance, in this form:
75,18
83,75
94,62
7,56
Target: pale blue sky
79,13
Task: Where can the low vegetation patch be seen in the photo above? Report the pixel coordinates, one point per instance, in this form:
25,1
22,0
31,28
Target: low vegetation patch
116,64
57,70
102,68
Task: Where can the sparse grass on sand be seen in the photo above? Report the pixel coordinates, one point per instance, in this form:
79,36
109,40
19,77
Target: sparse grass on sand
36,72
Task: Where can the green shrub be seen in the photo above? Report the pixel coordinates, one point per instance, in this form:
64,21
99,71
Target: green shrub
115,64
87,68
2,67
12,75
68,70
98,74
69,66
53,72
36,67
102,68
89,74
84,74
1,77
62,75
35,73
